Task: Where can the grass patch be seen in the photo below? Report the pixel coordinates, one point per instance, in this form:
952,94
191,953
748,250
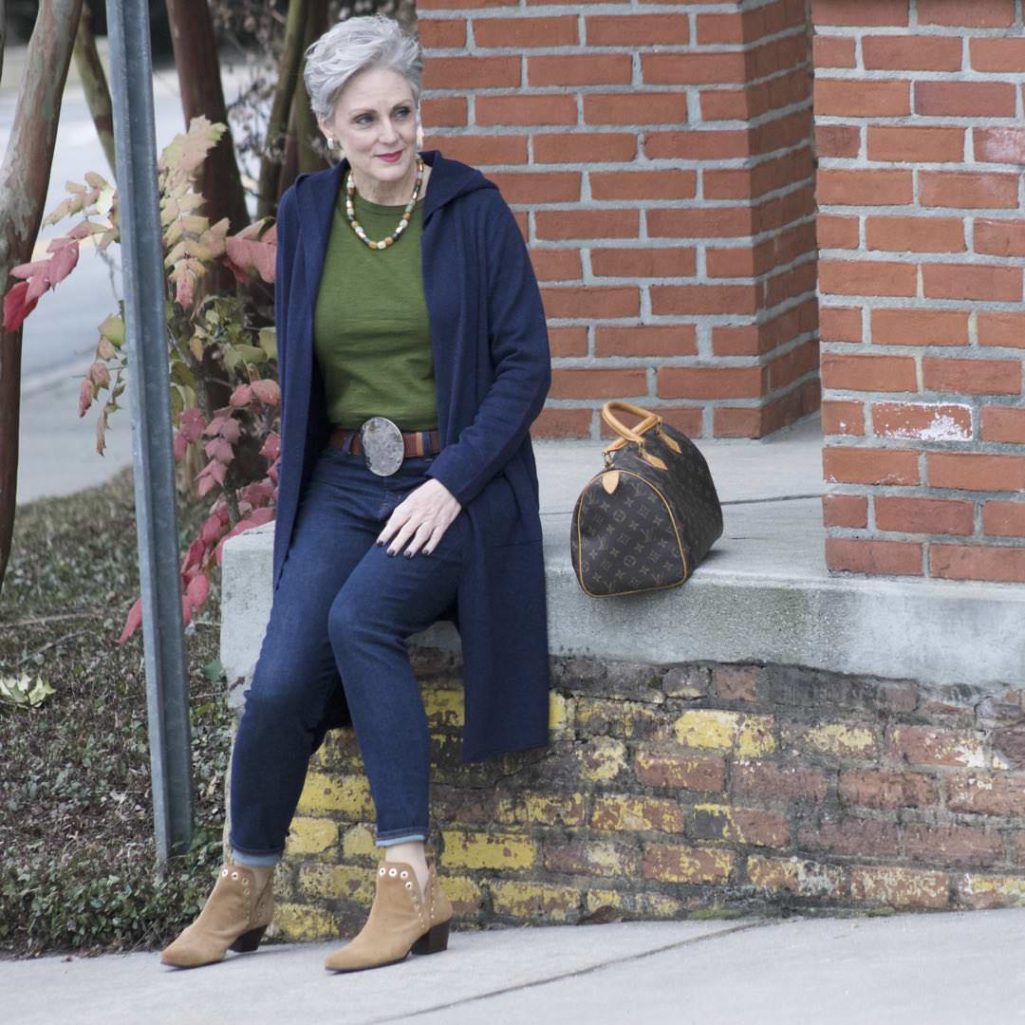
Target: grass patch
78,866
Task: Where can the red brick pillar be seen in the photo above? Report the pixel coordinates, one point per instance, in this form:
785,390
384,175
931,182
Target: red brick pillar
918,125
660,162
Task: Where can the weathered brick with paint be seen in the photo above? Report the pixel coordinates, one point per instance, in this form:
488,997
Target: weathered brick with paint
691,790
918,113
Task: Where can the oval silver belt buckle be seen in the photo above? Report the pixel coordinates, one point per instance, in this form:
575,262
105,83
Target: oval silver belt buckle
383,447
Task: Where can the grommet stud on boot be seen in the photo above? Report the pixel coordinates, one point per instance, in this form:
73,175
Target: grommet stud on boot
235,917
401,920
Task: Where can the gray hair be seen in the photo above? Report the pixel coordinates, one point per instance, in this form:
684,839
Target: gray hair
354,45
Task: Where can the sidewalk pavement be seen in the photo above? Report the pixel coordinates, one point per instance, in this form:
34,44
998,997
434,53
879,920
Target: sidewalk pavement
915,969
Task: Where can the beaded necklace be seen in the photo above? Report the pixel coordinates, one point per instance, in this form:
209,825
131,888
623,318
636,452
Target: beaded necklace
407,214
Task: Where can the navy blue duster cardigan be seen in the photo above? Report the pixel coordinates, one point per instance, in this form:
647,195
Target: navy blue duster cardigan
492,368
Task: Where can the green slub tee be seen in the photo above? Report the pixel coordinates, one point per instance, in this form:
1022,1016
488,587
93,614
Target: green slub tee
370,327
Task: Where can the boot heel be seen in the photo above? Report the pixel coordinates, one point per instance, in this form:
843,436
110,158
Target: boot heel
433,941
248,941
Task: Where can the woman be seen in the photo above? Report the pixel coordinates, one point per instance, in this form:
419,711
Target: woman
413,357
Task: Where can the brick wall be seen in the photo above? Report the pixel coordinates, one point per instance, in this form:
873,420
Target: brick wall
691,790
659,158
919,109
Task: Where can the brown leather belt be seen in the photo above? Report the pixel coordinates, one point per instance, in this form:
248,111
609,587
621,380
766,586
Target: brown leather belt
415,443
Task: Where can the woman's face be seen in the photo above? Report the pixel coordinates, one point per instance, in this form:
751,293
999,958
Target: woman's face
375,121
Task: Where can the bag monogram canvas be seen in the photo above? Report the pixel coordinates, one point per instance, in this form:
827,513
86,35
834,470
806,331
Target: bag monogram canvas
646,520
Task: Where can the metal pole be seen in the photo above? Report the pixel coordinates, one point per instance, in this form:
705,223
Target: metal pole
157,528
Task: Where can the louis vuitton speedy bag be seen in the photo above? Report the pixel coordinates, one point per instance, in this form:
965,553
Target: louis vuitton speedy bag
650,516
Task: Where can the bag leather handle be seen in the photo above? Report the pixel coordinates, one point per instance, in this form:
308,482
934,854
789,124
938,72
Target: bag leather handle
627,434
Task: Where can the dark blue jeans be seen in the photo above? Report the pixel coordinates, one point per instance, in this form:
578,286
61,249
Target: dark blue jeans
343,604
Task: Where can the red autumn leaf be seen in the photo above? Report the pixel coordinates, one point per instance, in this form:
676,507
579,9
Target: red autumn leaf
258,493
63,261
231,431
17,306
211,529
267,391
132,622
25,271
210,476
86,394
186,610
219,449
192,423
199,590
215,425
241,396
99,374
179,446
271,447
246,252
194,555
38,277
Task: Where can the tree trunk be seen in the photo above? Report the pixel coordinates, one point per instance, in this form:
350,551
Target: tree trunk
24,178
94,82
3,33
281,105
304,128
199,76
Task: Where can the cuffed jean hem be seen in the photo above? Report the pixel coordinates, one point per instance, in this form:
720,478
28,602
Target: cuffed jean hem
388,840
254,859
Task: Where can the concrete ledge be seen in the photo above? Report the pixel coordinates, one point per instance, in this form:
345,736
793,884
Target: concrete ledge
763,594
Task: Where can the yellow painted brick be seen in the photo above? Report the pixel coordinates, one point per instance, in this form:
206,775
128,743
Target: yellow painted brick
994,891
548,809
488,850
532,900
311,836
443,707
644,905
798,875
349,795
619,812
463,892
603,759
842,740
900,887
337,751
358,843
707,727
756,736
610,717
552,809
318,881
560,714
687,864
301,922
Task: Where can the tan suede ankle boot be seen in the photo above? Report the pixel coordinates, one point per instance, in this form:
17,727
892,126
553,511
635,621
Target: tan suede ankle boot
402,919
234,917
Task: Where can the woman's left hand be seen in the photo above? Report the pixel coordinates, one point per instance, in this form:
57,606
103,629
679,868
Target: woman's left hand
420,519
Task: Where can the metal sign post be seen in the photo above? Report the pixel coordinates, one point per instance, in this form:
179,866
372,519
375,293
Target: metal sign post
157,527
